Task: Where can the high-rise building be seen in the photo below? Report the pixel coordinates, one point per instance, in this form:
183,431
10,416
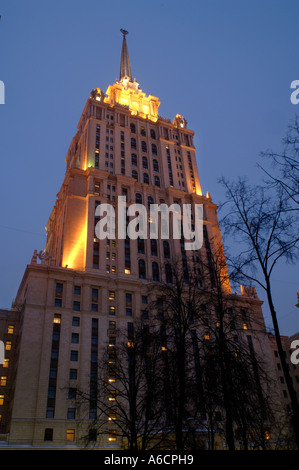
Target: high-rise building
76,292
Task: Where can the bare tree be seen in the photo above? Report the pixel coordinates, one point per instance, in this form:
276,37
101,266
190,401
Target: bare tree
266,232
128,391
285,172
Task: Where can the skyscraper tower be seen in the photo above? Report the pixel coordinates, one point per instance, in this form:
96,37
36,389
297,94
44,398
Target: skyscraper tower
80,288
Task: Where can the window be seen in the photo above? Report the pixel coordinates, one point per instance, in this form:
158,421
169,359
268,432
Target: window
76,305
155,271
141,266
77,290
144,299
8,345
48,434
58,302
128,298
112,435
72,393
166,249
3,381
153,134
145,178
134,159
10,329
50,412
76,321
144,163
128,312
111,310
111,295
133,143
157,181
155,165
142,131
135,175
74,355
168,273
133,128
138,198
73,374
71,413
154,150
154,247
57,319
75,338
70,434
1,400
59,288
92,435
140,244
143,146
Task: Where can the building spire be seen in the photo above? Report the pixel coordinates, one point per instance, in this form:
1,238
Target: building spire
125,68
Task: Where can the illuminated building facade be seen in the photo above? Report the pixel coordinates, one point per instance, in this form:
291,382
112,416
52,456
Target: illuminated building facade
79,289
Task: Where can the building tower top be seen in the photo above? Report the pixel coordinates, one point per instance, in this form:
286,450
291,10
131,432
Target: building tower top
125,67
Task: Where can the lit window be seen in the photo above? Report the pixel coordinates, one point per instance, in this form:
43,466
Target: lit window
112,415
6,363
112,435
112,394
111,310
57,318
70,434
1,400
111,295
245,327
3,380
10,329
8,345
267,435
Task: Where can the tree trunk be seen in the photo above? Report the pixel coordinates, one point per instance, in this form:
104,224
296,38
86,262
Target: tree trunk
292,393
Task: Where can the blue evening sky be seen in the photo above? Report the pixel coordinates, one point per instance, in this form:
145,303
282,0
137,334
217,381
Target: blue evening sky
226,65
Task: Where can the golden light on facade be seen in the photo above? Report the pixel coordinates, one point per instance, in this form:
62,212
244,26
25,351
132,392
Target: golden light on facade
74,258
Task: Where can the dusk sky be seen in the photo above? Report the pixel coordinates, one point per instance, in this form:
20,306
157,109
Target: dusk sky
225,65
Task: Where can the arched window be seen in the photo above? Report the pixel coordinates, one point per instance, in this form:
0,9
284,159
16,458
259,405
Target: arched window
135,174
142,131
138,198
133,143
157,181
166,249
153,134
141,266
155,271
145,178
155,165
133,128
168,273
154,149
143,146
150,201
144,162
134,159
